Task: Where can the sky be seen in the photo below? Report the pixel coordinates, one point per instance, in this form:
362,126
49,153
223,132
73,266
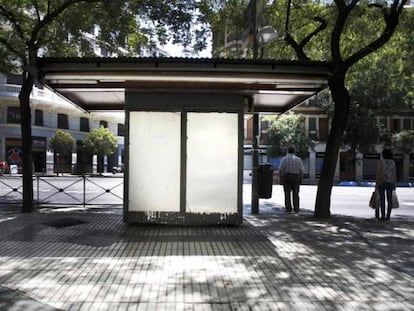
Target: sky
178,51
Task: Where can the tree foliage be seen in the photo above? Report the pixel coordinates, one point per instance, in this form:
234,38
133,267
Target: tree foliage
379,84
287,130
227,22
62,142
31,28
343,33
61,27
100,142
384,80
403,141
352,37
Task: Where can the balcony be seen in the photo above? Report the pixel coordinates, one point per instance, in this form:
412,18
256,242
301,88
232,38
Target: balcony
37,96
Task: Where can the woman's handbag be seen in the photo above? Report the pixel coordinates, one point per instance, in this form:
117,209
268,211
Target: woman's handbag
374,201
395,203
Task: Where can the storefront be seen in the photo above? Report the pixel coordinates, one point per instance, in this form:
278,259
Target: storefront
14,153
411,167
39,154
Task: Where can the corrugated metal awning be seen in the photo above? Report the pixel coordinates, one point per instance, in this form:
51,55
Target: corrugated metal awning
99,84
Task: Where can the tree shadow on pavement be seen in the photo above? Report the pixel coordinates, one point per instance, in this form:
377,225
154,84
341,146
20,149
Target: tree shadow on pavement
273,261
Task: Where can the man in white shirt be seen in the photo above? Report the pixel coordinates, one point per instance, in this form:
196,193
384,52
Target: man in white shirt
291,174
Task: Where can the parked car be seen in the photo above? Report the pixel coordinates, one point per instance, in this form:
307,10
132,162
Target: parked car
4,168
118,169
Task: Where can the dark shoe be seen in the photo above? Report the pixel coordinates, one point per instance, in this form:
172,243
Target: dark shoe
382,219
288,211
387,218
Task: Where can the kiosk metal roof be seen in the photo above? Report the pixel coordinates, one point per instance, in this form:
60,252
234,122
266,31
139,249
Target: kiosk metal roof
99,84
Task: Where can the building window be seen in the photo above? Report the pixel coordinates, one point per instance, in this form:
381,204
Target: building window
103,123
323,129
13,115
264,125
38,117
406,124
104,52
84,124
384,124
264,128
384,129
313,102
63,121
312,129
121,129
396,125
14,79
249,130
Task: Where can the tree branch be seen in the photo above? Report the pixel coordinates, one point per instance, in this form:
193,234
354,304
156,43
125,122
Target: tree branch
298,49
321,27
37,10
49,2
343,13
52,15
340,4
287,16
391,19
13,20
9,47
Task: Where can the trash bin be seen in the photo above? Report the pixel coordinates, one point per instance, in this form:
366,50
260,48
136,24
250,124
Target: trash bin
265,181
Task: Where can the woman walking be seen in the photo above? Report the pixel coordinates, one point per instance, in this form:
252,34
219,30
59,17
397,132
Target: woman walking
385,181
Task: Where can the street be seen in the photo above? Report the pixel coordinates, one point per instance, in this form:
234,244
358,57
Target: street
348,201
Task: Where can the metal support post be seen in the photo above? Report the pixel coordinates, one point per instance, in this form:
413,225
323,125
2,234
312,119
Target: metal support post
255,165
84,190
255,43
38,191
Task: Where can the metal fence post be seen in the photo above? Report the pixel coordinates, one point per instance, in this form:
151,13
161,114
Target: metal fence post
84,190
38,191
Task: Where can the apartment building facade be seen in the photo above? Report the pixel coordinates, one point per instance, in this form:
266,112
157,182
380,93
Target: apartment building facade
49,113
349,168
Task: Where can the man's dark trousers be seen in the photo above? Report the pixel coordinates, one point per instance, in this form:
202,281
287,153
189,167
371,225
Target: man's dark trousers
291,183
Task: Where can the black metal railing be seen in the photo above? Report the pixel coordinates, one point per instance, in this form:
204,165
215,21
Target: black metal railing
65,190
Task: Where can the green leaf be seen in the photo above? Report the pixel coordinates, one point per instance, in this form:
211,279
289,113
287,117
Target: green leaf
100,142
62,142
287,130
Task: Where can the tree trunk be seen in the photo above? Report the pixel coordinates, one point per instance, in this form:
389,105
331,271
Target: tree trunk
100,164
26,130
340,97
353,160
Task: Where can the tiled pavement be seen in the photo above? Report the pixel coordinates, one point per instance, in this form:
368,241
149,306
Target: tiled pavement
89,260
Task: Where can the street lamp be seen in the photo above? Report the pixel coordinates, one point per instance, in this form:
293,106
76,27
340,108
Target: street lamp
267,34
262,36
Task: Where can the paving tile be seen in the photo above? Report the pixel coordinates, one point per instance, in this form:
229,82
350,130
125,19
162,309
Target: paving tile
92,261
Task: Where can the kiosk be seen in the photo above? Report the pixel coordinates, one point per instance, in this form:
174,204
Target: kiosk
184,125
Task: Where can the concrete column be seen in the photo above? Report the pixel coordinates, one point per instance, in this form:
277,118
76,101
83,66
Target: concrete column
359,161
312,166
406,168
